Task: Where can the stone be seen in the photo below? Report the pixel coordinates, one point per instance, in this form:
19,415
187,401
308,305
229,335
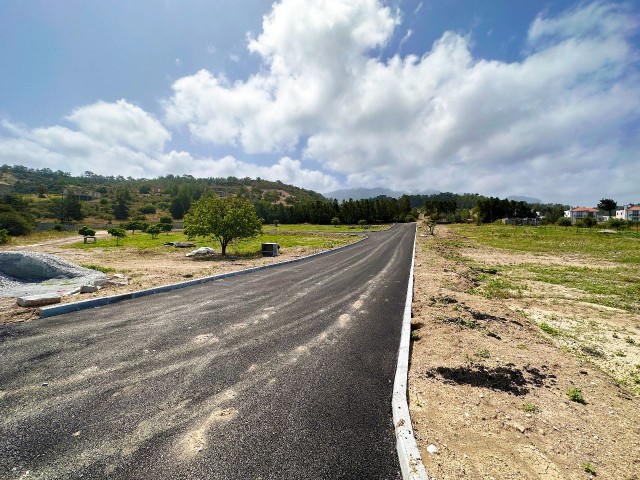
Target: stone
432,449
38,300
89,289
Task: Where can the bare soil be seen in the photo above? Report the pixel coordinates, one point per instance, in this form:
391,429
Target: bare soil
489,389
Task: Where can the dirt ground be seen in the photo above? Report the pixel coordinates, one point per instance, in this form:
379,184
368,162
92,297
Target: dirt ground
489,389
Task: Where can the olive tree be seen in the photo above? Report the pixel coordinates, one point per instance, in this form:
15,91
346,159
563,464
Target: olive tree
118,233
225,219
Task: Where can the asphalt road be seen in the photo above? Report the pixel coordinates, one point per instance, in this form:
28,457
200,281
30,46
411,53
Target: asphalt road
282,373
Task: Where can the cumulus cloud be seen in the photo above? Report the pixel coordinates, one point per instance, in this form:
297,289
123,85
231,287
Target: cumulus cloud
444,120
122,139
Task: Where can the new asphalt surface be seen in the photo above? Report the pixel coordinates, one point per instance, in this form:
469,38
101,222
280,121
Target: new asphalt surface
282,373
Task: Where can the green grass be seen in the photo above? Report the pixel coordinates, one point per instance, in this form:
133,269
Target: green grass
99,268
617,286
545,327
623,247
500,288
248,247
530,407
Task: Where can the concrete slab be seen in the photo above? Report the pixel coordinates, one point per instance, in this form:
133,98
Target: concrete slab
38,300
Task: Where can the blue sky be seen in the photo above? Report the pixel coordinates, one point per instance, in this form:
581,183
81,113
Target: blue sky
500,97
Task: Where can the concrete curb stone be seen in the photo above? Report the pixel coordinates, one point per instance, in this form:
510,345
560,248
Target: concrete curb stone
408,453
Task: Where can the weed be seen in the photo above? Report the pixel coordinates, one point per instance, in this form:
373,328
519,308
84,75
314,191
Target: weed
587,467
500,288
530,407
522,346
629,340
483,353
463,322
545,327
415,336
620,353
575,395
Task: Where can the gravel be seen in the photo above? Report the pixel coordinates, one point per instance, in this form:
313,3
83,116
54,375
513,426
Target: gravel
31,273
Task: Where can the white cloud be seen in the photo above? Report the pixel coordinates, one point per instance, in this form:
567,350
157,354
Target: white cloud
287,170
445,120
132,144
121,123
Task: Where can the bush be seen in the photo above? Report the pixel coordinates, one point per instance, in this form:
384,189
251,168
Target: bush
14,223
166,219
564,222
148,209
4,237
86,231
57,228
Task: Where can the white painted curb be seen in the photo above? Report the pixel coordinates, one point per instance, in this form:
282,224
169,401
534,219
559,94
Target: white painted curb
408,453
97,302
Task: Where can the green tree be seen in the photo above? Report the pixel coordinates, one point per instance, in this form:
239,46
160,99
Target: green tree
121,205
154,230
225,219
607,205
118,233
181,203
166,227
335,221
135,225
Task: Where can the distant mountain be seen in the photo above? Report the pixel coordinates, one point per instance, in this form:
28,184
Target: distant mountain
520,198
363,193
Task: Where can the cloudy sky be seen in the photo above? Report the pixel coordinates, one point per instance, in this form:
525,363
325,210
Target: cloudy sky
501,97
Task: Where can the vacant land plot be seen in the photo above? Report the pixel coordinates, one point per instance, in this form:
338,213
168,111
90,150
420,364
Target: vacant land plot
526,353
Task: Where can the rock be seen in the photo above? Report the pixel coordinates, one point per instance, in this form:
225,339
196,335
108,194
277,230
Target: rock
432,449
100,282
89,289
38,300
519,427
201,252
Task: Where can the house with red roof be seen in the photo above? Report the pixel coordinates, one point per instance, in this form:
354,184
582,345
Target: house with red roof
578,213
630,213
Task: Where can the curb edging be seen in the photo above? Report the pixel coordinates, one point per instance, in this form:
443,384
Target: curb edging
101,301
408,453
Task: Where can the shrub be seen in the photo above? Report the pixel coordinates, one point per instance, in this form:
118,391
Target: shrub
57,228
166,219
147,209
86,231
14,223
575,395
4,237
